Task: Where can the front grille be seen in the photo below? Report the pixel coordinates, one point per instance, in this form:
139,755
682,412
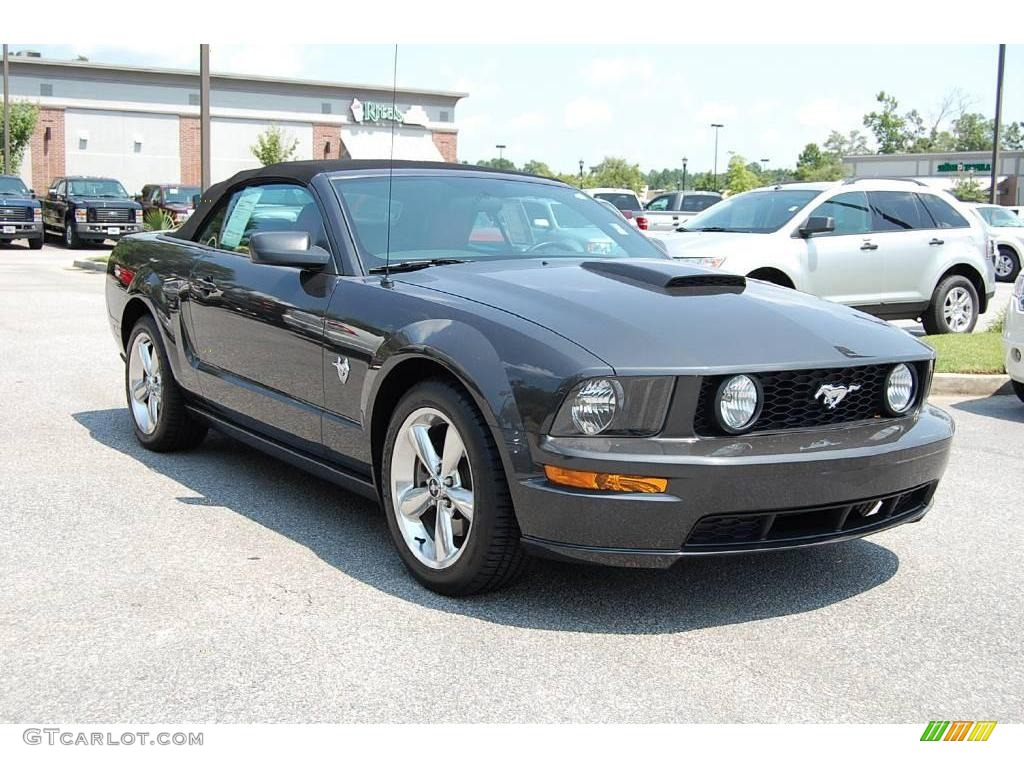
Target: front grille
778,529
15,213
790,403
111,215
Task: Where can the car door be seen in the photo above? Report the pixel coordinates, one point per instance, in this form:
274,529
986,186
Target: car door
843,265
259,327
907,243
664,221
55,205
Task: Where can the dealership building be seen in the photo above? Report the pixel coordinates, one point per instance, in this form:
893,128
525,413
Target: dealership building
141,125
943,169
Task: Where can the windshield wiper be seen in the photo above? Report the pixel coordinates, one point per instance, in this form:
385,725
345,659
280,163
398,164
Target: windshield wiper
710,229
412,266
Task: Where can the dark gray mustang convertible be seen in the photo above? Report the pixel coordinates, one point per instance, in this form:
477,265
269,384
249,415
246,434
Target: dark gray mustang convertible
510,368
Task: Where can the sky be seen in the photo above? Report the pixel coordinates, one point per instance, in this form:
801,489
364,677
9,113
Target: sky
652,104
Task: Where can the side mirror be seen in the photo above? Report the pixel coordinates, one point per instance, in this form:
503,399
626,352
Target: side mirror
32,194
287,249
196,199
51,192
815,225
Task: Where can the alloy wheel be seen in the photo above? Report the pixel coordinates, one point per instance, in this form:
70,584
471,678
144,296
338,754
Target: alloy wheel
431,487
958,310
144,385
1004,264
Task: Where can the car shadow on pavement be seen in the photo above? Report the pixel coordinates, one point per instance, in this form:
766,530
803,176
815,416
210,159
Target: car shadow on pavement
1006,407
350,534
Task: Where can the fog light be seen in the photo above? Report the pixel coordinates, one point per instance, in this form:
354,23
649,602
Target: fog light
595,404
738,403
900,389
599,481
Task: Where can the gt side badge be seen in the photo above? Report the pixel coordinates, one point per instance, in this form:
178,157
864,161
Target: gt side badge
343,368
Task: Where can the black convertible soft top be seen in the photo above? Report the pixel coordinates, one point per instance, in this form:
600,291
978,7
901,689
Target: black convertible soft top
302,171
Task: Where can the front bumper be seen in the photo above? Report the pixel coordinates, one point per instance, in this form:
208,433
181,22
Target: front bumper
12,230
1013,342
809,483
93,231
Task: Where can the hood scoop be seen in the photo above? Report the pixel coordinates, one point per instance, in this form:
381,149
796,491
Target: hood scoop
668,278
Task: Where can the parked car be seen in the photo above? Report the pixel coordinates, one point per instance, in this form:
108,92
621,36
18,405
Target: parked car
175,200
895,249
20,214
501,398
1007,228
90,209
625,200
1013,337
668,211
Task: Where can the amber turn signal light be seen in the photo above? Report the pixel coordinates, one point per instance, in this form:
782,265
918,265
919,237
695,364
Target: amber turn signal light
599,481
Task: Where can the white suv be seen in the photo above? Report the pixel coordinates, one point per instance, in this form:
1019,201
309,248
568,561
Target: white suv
896,249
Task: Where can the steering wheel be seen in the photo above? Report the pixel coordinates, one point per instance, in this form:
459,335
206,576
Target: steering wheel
561,244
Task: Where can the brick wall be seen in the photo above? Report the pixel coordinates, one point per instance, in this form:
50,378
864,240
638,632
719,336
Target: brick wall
324,135
446,145
190,149
47,154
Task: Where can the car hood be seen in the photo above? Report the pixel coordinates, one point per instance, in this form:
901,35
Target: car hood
694,245
105,202
636,325
17,201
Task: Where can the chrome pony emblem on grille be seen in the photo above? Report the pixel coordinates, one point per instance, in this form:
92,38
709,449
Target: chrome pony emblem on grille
343,368
832,394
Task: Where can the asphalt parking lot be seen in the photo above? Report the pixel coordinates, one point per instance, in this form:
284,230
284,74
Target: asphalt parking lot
222,585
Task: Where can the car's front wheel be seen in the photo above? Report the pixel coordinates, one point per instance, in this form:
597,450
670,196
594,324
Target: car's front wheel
954,307
35,243
446,496
159,417
1007,264
71,238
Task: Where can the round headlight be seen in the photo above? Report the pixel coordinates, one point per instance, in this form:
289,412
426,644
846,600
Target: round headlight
900,389
738,403
595,404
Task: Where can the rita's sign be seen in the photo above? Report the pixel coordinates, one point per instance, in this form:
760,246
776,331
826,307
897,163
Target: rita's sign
962,167
373,112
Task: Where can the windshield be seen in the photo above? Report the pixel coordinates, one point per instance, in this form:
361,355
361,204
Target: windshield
12,185
482,219
620,200
759,211
1001,217
180,194
96,188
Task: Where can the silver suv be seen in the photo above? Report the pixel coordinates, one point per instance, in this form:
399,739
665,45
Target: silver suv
897,249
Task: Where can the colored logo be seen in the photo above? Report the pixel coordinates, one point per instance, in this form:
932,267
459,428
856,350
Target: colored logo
958,730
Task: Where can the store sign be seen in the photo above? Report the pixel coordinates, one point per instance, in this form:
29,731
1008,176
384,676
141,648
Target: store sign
963,167
373,112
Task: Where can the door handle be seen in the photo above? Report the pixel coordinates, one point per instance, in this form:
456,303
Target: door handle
869,247
205,286
936,241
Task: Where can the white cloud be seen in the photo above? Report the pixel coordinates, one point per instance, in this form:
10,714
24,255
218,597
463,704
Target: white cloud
715,112
586,113
618,70
827,114
528,121
266,60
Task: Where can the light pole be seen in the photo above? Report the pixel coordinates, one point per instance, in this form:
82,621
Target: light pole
7,116
501,149
204,116
716,126
581,174
683,187
994,192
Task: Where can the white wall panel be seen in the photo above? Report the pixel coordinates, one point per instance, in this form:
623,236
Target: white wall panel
231,141
109,146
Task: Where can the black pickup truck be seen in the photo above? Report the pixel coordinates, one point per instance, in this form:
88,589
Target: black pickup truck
20,214
90,208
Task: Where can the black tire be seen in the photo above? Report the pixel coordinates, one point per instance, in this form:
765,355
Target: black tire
1008,253
71,238
1018,387
934,319
492,556
176,428
35,243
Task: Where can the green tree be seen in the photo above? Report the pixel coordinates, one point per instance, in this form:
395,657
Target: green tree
23,124
538,168
739,176
969,190
972,131
274,145
1012,136
498,163
817,165
893,132
616,172
843,145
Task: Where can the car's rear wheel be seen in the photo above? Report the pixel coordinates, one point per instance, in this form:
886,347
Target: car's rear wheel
1018,387
159,417
71,238
954,307
446,496
1007,264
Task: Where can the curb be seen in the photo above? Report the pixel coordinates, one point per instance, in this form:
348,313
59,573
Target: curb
93,266
970,384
